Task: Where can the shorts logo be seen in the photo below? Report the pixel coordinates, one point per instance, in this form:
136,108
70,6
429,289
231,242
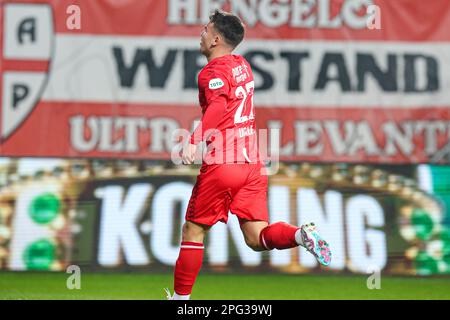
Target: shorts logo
28,38
216,83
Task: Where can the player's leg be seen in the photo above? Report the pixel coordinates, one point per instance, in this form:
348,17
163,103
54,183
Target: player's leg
260,236
194,232
251,231
208,204
250,205
189,260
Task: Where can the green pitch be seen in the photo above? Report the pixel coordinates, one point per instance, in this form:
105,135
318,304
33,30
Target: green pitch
228,287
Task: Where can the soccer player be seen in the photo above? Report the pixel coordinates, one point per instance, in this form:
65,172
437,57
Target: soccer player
232,177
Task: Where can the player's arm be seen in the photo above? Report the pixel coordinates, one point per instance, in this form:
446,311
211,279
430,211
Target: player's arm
210,120
216,94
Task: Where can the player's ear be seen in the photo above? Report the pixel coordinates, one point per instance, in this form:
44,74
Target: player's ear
216,40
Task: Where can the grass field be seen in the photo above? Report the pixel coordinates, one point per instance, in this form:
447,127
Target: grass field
219,287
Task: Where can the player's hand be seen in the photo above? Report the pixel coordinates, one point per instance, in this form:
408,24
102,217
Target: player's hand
188,154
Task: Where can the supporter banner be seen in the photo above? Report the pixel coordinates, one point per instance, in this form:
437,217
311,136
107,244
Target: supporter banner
343,80
104,215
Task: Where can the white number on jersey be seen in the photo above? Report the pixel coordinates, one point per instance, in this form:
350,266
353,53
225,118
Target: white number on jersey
239,117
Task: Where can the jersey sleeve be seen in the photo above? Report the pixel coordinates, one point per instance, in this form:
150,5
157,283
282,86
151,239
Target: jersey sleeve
216,84
210,120
217,89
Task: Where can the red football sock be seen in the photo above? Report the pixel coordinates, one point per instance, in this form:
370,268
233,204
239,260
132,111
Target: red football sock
279,235
188,266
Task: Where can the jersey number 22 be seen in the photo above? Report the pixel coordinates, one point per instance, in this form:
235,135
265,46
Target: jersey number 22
245,110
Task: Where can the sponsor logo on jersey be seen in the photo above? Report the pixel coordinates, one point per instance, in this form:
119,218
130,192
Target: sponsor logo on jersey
216,83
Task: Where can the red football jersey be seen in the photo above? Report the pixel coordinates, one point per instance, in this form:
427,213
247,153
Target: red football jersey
226,88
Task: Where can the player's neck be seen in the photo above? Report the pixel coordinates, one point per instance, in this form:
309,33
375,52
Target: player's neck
218,54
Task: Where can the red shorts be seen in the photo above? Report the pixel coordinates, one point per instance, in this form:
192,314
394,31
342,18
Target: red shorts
238,188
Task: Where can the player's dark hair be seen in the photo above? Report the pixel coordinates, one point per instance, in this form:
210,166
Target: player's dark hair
229,26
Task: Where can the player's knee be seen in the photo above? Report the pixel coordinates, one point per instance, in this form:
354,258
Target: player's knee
252,236
254,244
191,232
188,231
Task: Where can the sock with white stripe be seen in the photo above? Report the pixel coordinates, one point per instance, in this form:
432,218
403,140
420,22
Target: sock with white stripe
280,235
188,265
